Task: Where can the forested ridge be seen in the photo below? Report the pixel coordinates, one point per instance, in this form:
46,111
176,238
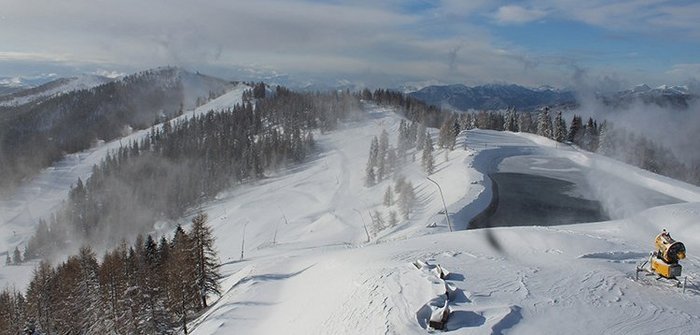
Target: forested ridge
37,134
181,164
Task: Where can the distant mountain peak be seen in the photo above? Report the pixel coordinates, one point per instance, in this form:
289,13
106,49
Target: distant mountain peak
641,88
494,96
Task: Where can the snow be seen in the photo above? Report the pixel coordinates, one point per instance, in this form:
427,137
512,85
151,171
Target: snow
307,267
72,84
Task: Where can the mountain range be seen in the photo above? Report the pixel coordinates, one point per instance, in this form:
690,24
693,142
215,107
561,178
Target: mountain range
493,96
501,96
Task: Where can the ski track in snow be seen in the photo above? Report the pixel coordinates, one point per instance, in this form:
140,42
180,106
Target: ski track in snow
307,269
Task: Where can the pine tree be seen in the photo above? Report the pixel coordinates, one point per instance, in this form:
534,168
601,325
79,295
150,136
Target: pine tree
183,292
370,178
402,145
427,159
374,151
89,304
154,317
544,124
605,142
393,220
391,161
511,120
575,130
377,222
525,123
422,133
388,197
207,263
590,136
113,283
559,128
17,256
381,155
448,133
39,298
406,200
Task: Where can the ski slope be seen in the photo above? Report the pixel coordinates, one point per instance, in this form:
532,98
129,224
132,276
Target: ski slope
307,268
296,259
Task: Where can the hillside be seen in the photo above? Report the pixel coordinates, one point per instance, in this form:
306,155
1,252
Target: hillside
38,132
52,88
307,267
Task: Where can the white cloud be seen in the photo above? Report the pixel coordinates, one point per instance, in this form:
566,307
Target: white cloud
512,14
684,71
445,41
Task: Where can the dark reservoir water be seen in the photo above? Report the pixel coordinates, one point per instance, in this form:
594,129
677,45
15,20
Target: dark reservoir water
526,200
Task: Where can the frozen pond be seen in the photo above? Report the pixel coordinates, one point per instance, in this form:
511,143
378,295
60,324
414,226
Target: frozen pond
530,188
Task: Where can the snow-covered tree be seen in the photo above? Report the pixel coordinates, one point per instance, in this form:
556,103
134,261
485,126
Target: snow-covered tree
370,177
377,222
526,124
544,123
388,197
575,130
393,220
17,256
511,120
605,139
407,198
559,128
381,155
427,161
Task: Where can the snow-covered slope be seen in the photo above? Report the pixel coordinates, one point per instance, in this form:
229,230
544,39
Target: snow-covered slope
308,270
59,86
296,258
43,194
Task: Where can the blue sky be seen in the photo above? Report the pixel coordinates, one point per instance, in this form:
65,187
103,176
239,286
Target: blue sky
376,43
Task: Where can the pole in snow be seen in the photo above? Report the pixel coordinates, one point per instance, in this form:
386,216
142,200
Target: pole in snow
363,223
449,224
243,240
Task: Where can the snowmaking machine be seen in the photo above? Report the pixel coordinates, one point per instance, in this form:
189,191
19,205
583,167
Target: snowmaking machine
663,261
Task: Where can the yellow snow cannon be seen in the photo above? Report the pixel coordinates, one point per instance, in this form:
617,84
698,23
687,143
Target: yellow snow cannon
664,260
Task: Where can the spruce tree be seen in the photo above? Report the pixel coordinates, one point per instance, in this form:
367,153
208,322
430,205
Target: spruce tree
406,200
207,263
559,128
605,139
17,256
575,130
388,197
544,123
381,155
370,178
393,220
427,158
